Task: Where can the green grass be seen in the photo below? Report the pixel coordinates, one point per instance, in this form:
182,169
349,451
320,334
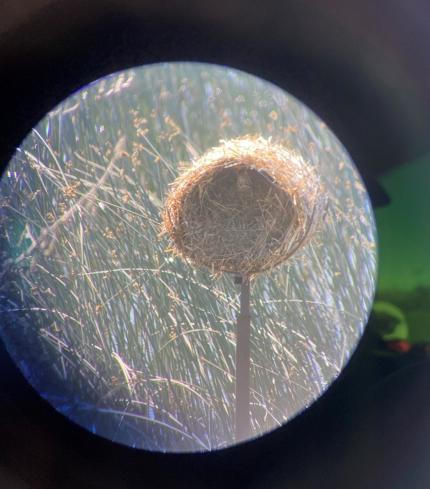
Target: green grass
131,342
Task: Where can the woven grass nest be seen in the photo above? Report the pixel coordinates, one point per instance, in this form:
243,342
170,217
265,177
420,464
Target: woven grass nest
243,207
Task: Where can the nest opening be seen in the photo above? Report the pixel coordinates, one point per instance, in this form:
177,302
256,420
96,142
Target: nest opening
243,208
237,216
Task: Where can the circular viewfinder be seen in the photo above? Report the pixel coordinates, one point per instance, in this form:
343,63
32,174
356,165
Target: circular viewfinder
188,257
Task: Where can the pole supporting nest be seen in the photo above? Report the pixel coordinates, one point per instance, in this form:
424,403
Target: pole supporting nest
243,207
243,361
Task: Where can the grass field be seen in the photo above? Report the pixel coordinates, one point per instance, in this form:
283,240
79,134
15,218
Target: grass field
130,341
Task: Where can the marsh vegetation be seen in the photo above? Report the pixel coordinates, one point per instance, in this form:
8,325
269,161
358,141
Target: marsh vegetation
125,338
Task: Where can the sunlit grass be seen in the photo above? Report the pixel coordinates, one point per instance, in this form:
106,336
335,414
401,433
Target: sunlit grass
130,341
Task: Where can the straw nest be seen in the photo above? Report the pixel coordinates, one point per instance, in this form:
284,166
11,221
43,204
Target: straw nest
243,207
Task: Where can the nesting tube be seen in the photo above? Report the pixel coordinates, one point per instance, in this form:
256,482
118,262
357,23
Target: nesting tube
243,207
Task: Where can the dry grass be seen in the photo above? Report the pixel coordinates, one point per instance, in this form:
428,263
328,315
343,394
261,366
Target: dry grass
128,340
244,207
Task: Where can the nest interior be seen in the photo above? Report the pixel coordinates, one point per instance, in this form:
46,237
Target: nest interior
243,208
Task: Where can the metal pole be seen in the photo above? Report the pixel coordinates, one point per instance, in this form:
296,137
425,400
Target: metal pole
243,363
